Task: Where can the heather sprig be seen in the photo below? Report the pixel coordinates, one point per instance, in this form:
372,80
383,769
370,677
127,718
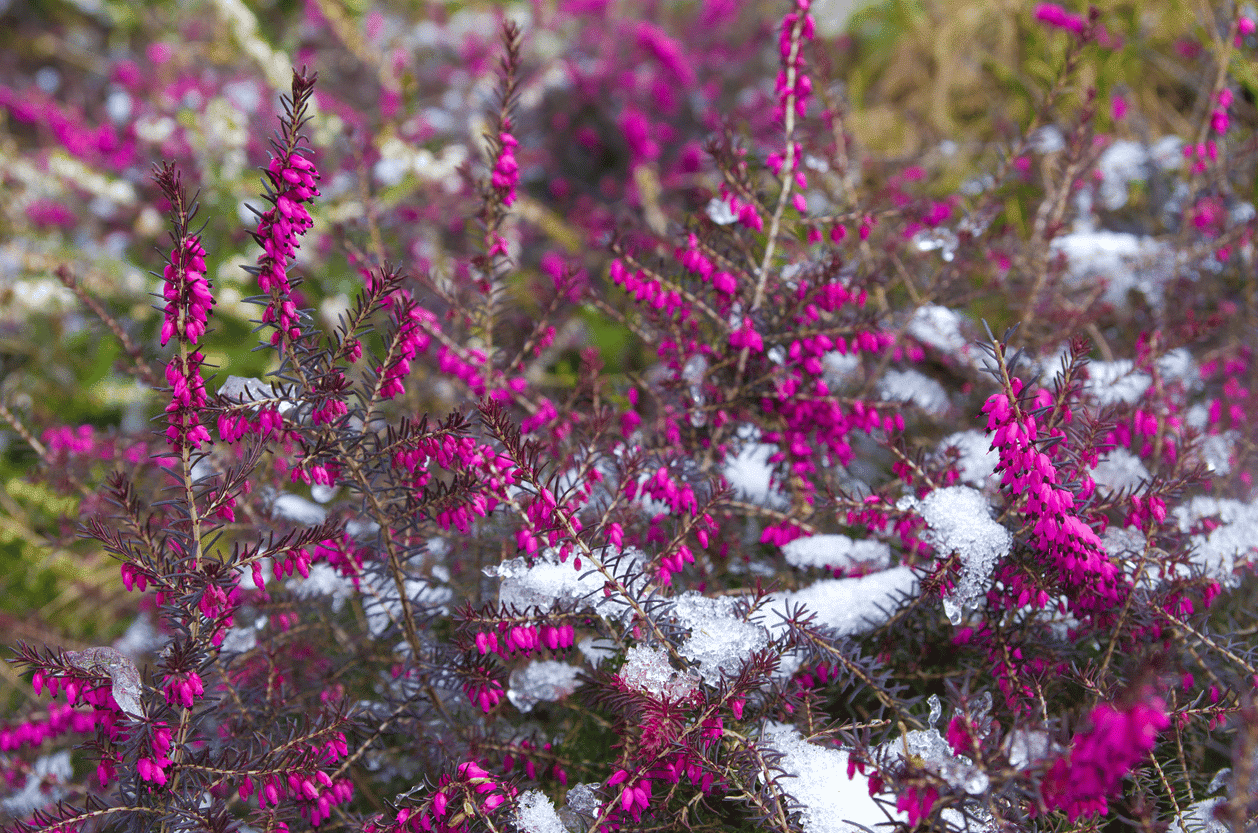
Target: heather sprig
290,180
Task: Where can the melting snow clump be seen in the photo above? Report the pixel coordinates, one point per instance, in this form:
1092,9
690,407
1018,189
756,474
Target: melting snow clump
836,551
816,777
536,814
959,520
648,670
915,388
848,605
719,638
543,679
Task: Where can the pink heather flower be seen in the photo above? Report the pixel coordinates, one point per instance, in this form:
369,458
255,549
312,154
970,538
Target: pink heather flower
1081,782
637,130
667,51
1059,17
746,336
1072,545
149,770
291,183
1219,120
80,135
917,805
506,174
183,689
187,292
1118,107
414,324
49,213
159,52
187,399
79,441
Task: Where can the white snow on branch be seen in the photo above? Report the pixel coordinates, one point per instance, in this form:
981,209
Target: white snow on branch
816,778
958,519
915,388
976,459
720,639
549,581
648,670
836,551
542,680
847,605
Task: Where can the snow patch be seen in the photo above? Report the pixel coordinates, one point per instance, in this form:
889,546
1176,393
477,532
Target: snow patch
1118,260
848,605
648,670
914,388
940,328
976,459
1111,383
959,520
542,680
836,552
1234,541
534,813
816,777
720,639
750,473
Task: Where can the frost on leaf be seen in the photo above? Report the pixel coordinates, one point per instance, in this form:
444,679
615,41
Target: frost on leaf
959,520
119,668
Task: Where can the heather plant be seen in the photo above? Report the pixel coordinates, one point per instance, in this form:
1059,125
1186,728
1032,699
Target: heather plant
914,503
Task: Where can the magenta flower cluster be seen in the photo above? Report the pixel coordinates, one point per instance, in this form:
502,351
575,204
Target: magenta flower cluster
292,182
1082,782
1071,546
